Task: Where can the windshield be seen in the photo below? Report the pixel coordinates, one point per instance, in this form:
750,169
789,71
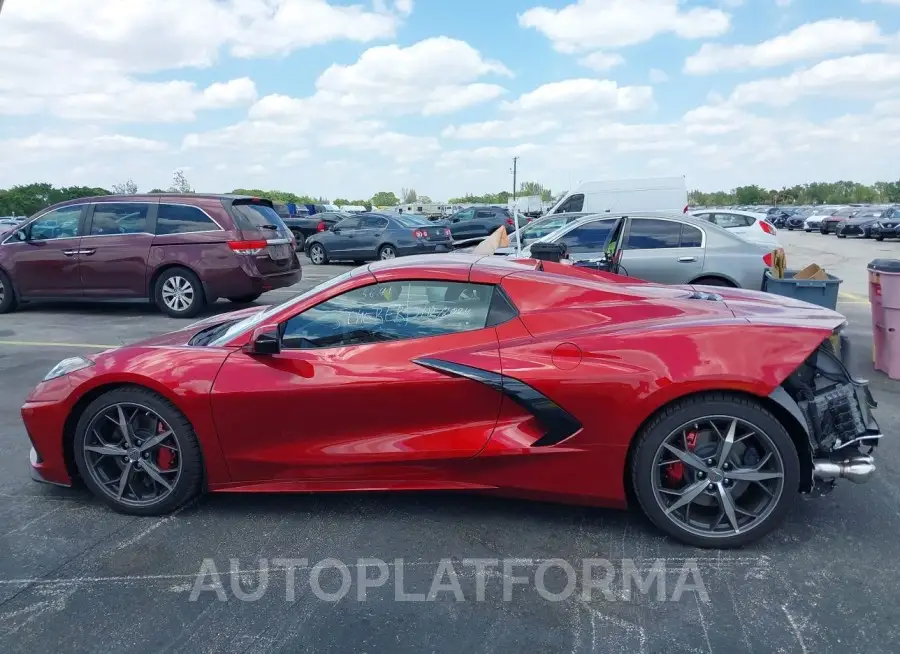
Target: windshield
258,318
412,221
540,228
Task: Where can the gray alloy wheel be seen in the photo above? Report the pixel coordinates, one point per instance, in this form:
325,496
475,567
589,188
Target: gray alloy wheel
177,293
132,454
387,252
317,254
724,487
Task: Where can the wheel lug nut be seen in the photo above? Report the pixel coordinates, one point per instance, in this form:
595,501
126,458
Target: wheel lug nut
701,475
709,487
710,462
726,466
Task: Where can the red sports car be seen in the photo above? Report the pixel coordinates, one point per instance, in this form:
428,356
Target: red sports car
710,408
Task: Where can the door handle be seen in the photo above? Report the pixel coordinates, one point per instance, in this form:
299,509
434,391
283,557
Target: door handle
86,252
70,253
686,259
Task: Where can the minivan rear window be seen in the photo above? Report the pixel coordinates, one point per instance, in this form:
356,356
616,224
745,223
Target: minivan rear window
256,214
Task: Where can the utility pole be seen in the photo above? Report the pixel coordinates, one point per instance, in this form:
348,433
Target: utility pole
514,208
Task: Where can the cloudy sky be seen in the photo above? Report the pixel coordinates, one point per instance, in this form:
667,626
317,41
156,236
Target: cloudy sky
328,97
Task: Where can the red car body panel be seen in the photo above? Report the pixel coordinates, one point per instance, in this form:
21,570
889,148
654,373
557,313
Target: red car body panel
608,351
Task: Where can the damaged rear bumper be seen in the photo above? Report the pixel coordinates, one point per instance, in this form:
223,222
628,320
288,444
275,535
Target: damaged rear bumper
835,411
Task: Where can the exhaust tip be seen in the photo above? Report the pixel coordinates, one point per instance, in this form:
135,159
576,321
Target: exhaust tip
858,469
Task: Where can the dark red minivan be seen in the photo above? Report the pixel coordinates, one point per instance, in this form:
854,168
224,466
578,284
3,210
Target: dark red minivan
180,251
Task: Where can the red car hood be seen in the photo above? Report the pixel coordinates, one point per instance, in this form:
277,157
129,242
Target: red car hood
184,335
758,307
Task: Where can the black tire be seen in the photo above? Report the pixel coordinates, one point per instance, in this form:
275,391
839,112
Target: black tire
244,299
713,281
317,254
790,229
8,299
807,230
301,241
386,252
189,483
879,238
823,230
686,410
175,278
840,235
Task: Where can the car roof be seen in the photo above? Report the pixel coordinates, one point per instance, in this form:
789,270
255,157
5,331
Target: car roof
146,197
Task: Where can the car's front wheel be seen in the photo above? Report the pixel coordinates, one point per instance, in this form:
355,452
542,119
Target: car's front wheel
8,300
317,254
879,238
179,293
138,453
387,252
715,470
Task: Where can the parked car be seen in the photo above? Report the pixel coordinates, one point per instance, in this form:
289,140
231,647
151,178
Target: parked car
302,227
368,236
830,224
538,228
888,225
819,214
704,407
667,249
860,224
797,218
477,223
181,252
749,225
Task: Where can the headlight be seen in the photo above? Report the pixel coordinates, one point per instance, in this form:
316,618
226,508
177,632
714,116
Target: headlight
67,366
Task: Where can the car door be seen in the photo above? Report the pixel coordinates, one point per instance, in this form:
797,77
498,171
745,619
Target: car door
588,240
116,247
42,255
460,224
351,394
369,236
340,240
662,250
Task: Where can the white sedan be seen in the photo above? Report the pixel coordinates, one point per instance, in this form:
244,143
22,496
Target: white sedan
749,225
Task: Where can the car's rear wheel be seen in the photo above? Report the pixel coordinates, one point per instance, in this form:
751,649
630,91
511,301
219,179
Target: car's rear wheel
387,252
243,299
179,293
317,254
715,470
713,281
138,453
879,238
301,241
8,300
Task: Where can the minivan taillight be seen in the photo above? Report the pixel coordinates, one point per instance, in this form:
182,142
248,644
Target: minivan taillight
248,247
320,227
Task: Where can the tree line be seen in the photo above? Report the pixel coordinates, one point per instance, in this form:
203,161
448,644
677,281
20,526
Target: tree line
843,192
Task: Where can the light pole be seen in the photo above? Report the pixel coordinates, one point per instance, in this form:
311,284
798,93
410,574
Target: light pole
515,209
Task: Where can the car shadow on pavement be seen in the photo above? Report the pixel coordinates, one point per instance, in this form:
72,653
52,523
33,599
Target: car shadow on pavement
127,308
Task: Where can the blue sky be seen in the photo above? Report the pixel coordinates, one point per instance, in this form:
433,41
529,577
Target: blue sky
348,98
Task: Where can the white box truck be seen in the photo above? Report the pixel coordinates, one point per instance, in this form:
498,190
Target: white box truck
623,195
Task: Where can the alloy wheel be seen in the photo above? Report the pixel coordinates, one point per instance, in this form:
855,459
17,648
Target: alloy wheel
317,254
718,476
387,252
132,454
177,293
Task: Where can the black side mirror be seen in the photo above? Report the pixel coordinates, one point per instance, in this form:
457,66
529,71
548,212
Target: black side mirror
263,341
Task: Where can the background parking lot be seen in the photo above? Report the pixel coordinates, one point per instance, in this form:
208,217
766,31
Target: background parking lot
71,571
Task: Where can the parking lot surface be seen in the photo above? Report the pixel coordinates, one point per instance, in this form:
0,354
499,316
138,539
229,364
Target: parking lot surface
75,576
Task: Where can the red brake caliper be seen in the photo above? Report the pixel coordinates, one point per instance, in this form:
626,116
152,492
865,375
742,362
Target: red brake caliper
164,456
675,471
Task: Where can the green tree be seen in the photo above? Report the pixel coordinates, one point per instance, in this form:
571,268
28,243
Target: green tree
385,199
180,183
341,202
409,195
128,187
424,199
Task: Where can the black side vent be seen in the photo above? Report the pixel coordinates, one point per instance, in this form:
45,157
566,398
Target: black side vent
702,295
559,423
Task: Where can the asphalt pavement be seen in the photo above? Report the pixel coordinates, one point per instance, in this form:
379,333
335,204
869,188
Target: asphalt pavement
76,577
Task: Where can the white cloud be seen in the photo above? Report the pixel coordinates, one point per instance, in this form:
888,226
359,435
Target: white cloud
602,61
809,41
583,96
516,128
658,76
594,24
97,143
845,77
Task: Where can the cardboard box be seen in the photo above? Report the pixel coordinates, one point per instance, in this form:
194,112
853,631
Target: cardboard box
812,271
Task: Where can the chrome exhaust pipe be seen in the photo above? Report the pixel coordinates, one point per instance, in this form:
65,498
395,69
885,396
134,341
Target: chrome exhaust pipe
857,469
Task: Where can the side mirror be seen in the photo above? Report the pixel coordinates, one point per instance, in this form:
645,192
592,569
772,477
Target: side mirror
264,340
21,235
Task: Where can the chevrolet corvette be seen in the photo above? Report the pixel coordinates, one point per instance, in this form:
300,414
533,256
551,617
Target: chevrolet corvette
710,409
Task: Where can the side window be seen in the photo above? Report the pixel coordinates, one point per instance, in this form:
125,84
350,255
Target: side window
388,312
589,237
484,214
373,222
61,223
348,223
182,219
119,218
653,234
574,203
691,237
468,214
